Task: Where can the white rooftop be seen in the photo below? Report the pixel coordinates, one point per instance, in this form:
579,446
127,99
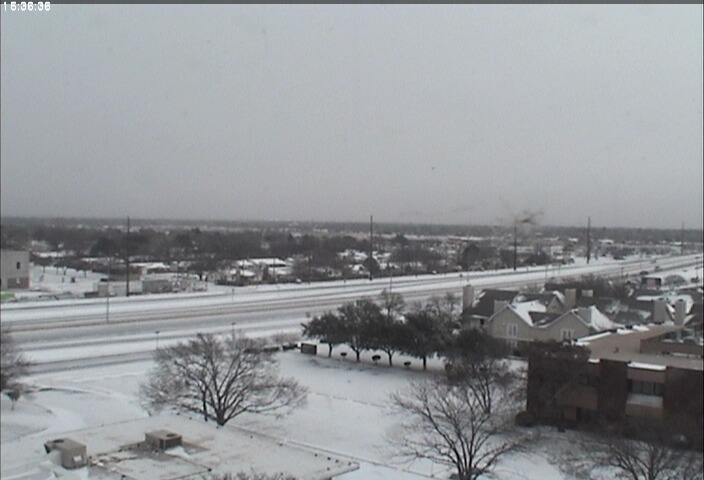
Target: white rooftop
206,447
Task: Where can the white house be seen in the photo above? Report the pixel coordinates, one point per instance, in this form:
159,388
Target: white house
522,323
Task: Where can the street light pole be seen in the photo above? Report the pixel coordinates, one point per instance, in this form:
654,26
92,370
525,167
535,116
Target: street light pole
157,339
107,298
515,246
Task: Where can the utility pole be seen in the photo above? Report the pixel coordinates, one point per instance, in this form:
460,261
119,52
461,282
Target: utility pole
682,240
391,278
371,246
589,240
515,246
127,259
107,298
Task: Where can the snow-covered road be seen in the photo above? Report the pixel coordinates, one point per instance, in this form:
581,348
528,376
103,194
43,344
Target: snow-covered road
80,333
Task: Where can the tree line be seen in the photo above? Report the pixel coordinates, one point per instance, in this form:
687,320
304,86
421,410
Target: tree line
421,331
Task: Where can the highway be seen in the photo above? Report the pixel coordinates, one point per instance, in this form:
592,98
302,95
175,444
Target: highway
78,333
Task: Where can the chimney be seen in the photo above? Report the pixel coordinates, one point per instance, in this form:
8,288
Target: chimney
570,298
659,310
585,313
680,312
467,297
499,304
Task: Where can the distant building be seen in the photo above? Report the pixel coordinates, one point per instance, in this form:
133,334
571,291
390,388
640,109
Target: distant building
14,269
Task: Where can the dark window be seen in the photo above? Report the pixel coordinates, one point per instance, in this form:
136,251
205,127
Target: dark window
646,388
18,265
588,380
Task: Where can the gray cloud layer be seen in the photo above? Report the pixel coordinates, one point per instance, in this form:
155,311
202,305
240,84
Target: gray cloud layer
452,114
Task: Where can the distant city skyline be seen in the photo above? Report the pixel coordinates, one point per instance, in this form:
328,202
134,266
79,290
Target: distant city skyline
453,114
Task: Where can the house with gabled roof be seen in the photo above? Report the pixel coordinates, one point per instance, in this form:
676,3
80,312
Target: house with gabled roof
554,301
519,324
477,309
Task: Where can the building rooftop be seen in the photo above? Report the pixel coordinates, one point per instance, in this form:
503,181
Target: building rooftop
625,345
119,451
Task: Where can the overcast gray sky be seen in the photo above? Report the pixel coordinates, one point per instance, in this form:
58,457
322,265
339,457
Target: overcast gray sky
443,114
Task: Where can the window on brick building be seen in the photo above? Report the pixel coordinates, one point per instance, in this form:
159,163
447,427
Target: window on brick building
646,388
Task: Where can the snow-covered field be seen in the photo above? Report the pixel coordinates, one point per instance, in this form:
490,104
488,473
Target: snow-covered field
346,413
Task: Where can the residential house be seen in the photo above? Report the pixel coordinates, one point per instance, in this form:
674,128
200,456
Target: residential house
519,324
477,309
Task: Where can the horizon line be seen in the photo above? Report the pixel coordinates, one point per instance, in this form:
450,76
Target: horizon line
312,221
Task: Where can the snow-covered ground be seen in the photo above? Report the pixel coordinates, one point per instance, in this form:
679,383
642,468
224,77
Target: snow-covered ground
347,413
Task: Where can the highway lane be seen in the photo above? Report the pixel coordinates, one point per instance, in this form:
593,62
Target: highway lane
270,312
140,308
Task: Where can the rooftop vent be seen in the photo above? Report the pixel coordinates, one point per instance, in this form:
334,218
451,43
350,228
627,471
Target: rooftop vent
163,439
73,454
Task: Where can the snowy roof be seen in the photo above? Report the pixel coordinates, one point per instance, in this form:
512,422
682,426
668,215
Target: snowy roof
205,447
598,321
625,346
647,366
270,262
523,309
241,272
151,265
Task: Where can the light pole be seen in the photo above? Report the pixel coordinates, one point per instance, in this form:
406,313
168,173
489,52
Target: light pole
233,330
157,339
107,298
391,278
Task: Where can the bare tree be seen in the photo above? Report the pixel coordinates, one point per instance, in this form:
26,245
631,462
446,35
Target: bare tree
219,379
449,423
13,364
392,303
645,454
445,308
478,361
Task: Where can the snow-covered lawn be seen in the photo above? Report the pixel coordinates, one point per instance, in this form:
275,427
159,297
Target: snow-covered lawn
346,413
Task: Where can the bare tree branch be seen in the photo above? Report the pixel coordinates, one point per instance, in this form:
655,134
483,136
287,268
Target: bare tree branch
219,379
448,423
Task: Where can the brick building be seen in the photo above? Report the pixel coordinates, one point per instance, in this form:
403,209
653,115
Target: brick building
653,374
